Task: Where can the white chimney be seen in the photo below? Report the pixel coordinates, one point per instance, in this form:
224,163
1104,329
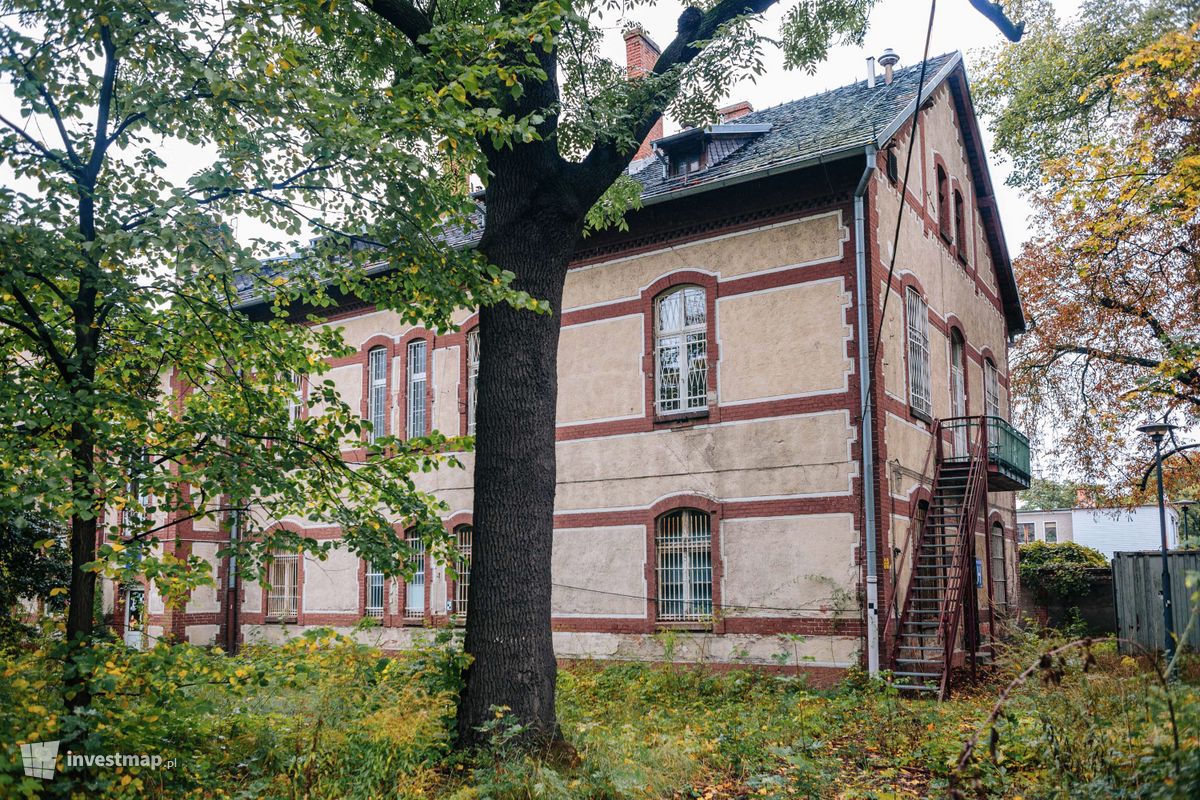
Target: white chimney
888,60
870,72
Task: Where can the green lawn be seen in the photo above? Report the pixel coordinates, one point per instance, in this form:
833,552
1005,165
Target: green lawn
324,717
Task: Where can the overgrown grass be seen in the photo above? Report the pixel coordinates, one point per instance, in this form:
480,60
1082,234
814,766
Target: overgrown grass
324,717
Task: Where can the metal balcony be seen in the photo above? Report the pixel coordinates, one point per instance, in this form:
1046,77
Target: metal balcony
1007,448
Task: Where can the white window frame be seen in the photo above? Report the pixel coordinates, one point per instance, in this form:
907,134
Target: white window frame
296,399
414,587
683,566
991,388
920,380
1047,527
463,537
683,340
415,400
376,592
283,598
472,378
377,390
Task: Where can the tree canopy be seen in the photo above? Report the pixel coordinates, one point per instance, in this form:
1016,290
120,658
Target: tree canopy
1099,115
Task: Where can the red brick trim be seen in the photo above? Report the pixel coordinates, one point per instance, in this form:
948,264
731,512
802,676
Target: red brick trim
743,509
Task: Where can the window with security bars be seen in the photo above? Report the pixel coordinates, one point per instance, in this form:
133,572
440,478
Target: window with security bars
999,579
375,591
296,399
916,313
681,351
377,392
416,388
463,535
472,378
283,598
683,550
414,589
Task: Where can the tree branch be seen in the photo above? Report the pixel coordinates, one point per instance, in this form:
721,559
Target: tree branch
404,17
1103,355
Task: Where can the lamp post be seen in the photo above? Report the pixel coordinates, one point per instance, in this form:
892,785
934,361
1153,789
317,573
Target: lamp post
1157,431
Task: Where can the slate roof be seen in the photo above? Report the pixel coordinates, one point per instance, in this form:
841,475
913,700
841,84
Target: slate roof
840,119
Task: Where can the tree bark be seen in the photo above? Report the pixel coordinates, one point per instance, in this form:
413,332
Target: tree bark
532,226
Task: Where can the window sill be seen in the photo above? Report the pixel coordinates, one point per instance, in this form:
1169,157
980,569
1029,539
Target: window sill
921,415
681,416
683,625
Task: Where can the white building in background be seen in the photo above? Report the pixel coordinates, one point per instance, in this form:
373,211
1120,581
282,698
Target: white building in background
1109,530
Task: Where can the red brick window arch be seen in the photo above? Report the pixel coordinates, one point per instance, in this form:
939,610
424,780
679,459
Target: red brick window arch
681,350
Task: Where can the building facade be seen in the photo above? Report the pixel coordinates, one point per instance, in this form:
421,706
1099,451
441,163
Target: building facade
1109,530
712,411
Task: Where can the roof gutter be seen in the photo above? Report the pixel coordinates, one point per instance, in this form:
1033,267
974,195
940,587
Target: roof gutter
866,416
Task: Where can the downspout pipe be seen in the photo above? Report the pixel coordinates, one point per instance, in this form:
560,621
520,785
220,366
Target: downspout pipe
866,414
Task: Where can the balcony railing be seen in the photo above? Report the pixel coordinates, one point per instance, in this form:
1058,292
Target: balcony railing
1008,449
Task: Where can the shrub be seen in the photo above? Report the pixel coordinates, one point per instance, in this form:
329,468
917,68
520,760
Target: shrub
1058,572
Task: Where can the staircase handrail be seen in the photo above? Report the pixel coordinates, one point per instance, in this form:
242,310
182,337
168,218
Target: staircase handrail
973,496
895,612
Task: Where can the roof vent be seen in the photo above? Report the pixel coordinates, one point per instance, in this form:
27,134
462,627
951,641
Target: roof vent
888,60
870,72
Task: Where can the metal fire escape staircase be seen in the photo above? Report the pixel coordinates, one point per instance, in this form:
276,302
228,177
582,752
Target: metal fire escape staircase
941,597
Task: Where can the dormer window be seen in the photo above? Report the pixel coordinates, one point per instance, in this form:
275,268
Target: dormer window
686,163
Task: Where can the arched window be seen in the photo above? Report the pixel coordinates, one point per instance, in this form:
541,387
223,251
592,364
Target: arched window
681,351
463,535
960,226
991,388
920,395
943,203
958,390
416,412
283,597
377,381
999,579
683,551
472,378
414,588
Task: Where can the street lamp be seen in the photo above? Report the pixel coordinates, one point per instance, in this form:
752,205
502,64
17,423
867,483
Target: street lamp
1185,511
1157,431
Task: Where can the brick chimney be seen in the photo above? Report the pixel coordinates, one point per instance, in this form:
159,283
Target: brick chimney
730,113
641,54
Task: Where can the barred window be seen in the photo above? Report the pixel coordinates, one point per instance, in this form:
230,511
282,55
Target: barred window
463,535
472,378
999,579
683,549
920,396
375,591
414,590
283,598
416,388
377,392
681,351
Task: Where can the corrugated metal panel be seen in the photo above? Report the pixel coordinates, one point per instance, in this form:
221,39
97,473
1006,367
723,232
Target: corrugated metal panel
1137,584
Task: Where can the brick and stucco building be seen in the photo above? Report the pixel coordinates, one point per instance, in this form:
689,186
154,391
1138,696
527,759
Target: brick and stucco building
712,411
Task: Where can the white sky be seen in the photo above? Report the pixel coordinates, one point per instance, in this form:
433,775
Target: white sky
898,24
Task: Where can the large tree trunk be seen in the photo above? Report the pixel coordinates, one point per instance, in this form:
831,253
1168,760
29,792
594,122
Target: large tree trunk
531,230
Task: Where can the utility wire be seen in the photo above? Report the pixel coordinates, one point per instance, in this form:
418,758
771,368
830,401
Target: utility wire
912,139
725,606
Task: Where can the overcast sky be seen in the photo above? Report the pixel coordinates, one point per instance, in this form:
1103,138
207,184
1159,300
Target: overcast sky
898,24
